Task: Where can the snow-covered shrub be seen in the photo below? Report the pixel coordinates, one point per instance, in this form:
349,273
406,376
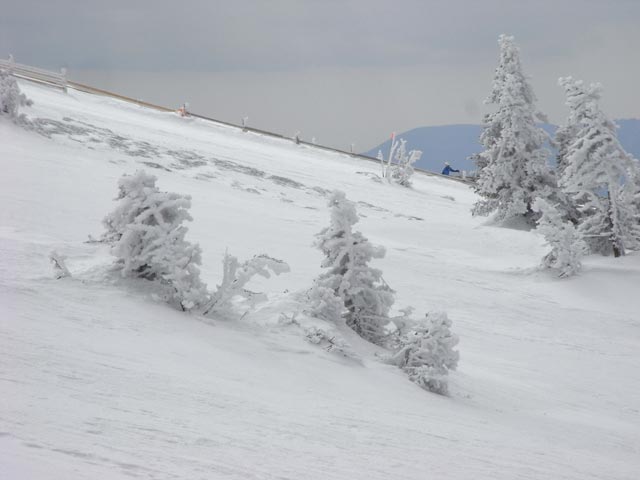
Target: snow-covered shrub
426,352
403,322
324,302
328,341
288,320
365,297
598,174
512,169
59,268
399,166
234,278
147,236
567,246
10,97
402,169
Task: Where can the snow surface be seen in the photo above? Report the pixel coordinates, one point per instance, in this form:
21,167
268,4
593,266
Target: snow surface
99,381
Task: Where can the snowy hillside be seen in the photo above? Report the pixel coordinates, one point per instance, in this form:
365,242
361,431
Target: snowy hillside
100,381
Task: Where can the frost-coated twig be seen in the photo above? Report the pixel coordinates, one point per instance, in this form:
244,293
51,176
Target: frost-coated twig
59,268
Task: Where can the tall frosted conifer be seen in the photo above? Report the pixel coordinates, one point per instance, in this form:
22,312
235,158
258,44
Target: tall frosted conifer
601,178
512,169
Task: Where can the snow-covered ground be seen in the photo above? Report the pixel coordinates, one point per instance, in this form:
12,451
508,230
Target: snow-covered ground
99,381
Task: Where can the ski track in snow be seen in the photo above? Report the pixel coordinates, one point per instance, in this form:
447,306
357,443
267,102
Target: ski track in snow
99,381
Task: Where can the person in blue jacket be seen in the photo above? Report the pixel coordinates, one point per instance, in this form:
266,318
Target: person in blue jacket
448,169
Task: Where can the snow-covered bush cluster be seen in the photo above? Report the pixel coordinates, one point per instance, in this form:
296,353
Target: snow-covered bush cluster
11,99
352,291
592,197
147,237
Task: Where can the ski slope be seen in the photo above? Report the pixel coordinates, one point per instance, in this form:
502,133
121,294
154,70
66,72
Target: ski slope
98,380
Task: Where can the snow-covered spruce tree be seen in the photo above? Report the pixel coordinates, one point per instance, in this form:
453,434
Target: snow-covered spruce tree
512,169
349,284
578,95
567,246
234,278
10,97
599,175
402,169
631,189
147,237
426,352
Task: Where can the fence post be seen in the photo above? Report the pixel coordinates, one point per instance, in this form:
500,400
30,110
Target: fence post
182,111
63,74
12,62
245,121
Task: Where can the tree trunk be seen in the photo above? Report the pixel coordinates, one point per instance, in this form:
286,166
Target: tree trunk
616,250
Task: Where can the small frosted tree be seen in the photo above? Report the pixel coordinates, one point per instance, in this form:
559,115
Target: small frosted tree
399,166
567,246
512,169
148,239
10,97
349,284
426,352
599,175
402,169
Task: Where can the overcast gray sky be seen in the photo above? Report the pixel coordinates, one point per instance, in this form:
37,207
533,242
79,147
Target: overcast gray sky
341,70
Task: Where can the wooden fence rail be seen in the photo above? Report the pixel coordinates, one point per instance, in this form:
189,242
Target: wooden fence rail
36,74
60,80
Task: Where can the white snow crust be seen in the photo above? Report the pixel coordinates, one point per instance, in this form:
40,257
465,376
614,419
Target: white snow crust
98,380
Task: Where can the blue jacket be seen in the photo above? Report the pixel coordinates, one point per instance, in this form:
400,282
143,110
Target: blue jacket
447,170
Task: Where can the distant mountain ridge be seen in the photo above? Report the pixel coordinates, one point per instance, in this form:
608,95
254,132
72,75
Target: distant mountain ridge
455,143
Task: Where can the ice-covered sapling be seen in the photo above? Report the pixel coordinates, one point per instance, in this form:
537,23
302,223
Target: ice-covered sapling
402,169
147,237
567,245
426,352
11,99
350,287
